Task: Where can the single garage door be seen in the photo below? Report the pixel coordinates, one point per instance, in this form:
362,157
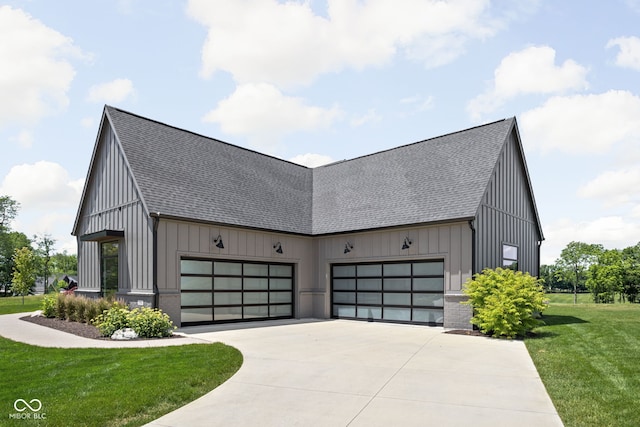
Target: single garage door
410,292
214,291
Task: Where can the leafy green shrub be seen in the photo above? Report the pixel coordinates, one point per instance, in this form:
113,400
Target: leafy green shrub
505,302
49,306
61,307
112,319
150,323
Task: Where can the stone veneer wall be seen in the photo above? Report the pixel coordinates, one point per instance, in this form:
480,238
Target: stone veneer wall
456,315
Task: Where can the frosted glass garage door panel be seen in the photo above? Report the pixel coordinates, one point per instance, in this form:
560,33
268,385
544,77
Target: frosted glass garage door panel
428,300
344,271
344,310
281,270
227,268
397,269
280,310
364,312
195,267
285,284
428,315
195,283
227,283
369,298
397,299
227,313
428,284
196,315
397,284
257,284
277,297
257,311
344,297
195,298
373,270
256,297
369,284
399,314
344,284
227,298
256,270
428,268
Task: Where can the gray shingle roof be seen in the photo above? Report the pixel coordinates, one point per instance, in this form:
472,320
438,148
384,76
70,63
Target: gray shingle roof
189,176
185,175
438,179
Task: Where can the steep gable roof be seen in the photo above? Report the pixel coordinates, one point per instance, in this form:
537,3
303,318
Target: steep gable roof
438,179
184,175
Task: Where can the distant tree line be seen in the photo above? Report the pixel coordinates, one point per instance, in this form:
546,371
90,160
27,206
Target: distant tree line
25,260
608,274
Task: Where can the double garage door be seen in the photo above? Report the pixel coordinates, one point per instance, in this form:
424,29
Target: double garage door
226,291
409,292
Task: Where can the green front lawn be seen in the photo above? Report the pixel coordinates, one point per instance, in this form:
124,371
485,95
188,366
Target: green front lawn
588,358
109,387
10,305
567,298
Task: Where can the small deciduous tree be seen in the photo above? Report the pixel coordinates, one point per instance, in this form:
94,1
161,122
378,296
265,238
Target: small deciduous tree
576,259
8,211
505,302
24,274
45,246
606,276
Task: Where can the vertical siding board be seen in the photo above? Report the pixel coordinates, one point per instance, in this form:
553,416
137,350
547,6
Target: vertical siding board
455,255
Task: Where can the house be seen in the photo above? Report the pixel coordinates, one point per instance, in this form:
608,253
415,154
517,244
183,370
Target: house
211,232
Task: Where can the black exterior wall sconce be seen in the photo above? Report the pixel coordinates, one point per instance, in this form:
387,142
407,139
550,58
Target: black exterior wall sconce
407,243
278,248
347,248
218,242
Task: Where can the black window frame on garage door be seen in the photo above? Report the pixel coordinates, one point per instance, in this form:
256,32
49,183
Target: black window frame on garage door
387,291
216,291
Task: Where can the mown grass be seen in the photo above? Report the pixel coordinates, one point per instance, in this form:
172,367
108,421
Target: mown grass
109,387
567,298
587,356
10,305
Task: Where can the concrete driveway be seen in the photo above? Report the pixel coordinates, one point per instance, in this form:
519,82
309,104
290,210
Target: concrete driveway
348,373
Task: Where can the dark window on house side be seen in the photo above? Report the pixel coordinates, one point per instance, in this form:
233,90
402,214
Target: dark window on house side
109,268
510,257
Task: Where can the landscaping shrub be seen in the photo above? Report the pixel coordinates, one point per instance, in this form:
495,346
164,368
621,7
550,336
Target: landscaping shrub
147,322
150,323
505,302
70,307
49,306
112,319
92,310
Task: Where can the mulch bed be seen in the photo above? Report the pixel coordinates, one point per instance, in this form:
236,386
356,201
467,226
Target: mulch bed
81,329
472,333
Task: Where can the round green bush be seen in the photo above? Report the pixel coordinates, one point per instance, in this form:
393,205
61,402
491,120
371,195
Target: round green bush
150,323
505,302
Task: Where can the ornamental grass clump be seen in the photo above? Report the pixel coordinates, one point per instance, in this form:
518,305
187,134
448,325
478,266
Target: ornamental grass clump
505,302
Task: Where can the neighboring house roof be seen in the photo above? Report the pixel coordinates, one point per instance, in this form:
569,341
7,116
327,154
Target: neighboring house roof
185,175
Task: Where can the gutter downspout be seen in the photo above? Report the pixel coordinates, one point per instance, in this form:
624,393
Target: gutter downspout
156,296
473,247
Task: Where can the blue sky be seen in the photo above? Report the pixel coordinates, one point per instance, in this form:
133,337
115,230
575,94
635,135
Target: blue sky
319,81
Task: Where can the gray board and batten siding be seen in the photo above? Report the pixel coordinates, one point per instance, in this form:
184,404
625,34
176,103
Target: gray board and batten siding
166,194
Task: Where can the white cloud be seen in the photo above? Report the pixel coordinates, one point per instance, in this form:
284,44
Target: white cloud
36,74
311,160
629,54
289,44
87,122
614,187
370,116
583,123
41,186
613,232
529,71
111,92
263,114
24,139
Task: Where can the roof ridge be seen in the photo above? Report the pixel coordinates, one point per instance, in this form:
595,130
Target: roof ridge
202,136
413,143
